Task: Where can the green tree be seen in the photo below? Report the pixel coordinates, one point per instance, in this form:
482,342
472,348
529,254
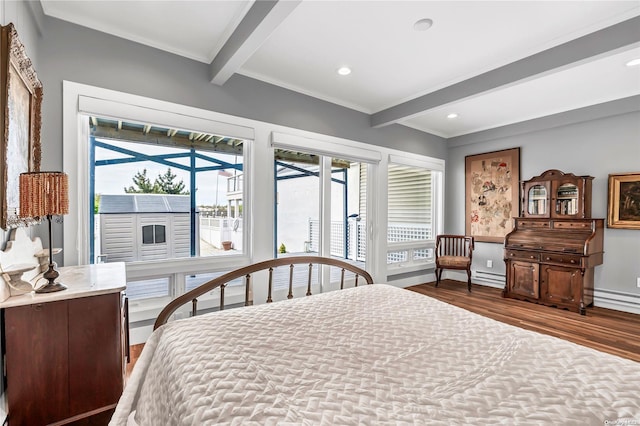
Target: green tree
142,184
166,185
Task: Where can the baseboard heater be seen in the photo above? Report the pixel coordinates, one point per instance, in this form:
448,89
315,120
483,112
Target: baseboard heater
491,278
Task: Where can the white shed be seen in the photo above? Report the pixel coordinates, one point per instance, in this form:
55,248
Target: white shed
145,227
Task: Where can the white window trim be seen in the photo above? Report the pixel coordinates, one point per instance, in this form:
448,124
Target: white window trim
80,100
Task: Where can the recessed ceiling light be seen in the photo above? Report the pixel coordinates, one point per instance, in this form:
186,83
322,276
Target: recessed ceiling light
344,70
452,115
423,24
633,62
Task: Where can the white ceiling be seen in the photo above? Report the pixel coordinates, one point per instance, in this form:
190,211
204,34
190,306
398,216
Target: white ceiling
302,46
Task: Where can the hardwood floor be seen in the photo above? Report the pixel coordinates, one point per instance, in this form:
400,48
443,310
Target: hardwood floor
134,351
603,329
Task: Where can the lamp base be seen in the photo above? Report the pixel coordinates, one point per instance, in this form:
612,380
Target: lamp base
51,287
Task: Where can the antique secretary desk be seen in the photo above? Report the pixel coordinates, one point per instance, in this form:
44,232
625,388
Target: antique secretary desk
555,245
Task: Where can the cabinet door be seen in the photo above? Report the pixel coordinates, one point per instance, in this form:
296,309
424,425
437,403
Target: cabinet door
523,279
561,285
37,363
536,196
95,352
567,198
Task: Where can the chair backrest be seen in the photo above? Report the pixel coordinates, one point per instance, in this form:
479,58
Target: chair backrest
454,245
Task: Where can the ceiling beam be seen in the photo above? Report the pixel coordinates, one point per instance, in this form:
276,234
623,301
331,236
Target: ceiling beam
604,42
258,24
162,139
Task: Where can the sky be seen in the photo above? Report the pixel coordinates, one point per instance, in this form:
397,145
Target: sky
112,179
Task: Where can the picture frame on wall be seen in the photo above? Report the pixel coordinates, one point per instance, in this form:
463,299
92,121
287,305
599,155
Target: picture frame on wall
624,201
20,113
492,192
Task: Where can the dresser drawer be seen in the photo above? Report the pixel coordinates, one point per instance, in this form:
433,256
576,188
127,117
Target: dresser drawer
531,256
572,225
568,259
533,224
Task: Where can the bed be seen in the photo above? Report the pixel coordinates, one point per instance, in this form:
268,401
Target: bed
374,355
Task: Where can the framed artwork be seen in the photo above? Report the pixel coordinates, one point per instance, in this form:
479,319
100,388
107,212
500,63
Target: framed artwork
21,97
492,191
624,201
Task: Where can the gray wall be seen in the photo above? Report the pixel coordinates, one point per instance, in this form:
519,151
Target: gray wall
596,148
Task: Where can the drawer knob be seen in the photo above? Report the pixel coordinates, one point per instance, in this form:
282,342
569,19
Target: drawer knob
531,257
573,261
548,258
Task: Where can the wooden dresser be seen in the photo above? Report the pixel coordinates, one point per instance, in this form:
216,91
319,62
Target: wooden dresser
65,352
554,247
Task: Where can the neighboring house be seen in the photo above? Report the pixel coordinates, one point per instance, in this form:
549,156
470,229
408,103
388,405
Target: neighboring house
137,227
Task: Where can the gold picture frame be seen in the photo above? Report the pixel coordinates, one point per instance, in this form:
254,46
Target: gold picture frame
20,114
492,191
624,201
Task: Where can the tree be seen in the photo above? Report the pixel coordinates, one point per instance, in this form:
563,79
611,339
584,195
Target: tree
143,184
166,185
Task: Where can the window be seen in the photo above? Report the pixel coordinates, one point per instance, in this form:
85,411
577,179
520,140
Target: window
410,213
153,234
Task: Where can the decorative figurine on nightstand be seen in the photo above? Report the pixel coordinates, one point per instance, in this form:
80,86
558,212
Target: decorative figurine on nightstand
13,278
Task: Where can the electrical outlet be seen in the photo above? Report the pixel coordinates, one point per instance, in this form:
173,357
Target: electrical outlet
490,265
638,282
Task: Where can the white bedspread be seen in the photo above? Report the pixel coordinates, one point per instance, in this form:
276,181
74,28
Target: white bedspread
372,355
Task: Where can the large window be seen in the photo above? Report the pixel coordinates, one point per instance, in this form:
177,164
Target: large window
182,188
410,213
159,193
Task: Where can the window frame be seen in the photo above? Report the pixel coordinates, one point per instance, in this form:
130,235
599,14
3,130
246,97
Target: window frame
79,102
437,205
154,233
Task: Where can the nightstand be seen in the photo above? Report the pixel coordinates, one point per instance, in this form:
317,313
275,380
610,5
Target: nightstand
65,352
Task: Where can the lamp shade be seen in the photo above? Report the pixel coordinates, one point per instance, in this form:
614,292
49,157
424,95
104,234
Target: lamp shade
44,193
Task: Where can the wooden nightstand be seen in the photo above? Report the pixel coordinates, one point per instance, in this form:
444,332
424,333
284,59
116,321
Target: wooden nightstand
65,352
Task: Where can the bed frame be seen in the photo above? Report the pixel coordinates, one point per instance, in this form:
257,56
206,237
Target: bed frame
221,281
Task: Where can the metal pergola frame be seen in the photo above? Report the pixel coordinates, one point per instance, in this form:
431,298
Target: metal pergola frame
165,159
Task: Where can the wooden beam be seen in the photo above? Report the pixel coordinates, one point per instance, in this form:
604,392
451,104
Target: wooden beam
299,157
160,138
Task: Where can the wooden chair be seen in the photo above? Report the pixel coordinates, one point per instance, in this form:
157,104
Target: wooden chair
454,252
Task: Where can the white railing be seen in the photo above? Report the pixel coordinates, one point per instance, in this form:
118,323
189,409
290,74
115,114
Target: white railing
357,240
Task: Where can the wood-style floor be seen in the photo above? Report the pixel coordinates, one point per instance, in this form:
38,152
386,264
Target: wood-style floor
603,329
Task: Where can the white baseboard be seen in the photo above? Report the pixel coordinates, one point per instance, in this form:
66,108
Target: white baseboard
477,277
617,300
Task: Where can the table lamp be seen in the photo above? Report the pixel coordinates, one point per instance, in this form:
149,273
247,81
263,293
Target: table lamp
45,194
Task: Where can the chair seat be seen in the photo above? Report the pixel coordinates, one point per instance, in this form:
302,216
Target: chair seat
454,261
